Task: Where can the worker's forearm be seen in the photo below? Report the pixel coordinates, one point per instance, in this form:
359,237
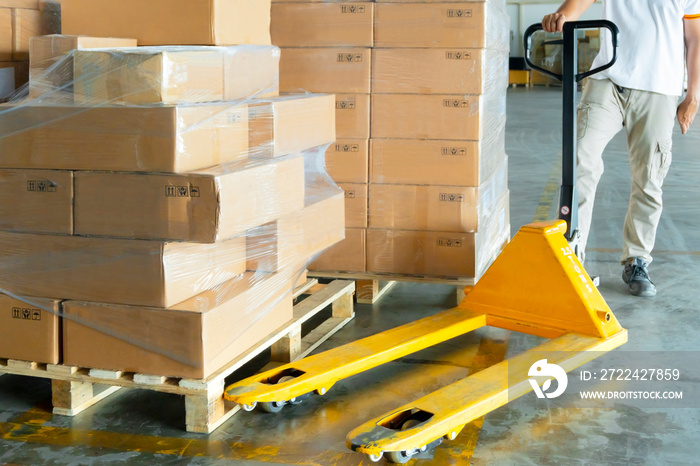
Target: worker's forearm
689,107
573,9
570,10
693,64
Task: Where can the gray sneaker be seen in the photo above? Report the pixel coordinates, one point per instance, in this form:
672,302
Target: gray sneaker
636,276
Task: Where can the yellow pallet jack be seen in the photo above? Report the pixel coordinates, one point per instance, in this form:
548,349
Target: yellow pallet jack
536,286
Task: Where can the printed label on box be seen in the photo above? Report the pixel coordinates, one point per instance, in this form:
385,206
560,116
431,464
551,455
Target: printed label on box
448,197
459,13
449,243
349,58
455,103
349,194
352,9
26,314
345,104
347,148
182,191
41,186
458,55
454,151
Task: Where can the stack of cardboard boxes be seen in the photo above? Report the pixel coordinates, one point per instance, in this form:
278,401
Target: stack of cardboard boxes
436,201
164,216
326,47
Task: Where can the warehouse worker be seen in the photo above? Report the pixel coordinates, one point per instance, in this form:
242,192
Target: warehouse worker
639,93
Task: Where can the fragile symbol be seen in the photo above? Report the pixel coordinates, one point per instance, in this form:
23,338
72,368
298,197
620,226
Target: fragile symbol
345,105
352,9
182,191
36,314
455,103
26,314
448,197
449,242
349,57
454,151
41,186
347,148
16,313
458,55
459,13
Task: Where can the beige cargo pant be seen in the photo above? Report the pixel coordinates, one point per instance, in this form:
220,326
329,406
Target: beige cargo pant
648,119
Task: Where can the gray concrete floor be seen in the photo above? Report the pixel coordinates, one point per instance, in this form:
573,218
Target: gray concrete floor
141,427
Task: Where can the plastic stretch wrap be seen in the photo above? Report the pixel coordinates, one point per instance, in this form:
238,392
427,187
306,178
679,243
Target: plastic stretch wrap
167,233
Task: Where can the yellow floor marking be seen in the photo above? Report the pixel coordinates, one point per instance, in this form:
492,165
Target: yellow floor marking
551,189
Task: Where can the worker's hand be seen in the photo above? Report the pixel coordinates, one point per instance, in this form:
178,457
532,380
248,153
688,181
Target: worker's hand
686,113
554,22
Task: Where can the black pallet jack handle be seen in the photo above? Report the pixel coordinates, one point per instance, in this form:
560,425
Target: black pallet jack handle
568,201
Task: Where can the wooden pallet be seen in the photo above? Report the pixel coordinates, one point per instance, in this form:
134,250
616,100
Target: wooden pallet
372,286
75,389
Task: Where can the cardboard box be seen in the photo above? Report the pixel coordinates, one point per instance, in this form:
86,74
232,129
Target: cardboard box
330,69
29,329
291,124
5,34
427,116
441,24
48,51
7,82
438,71
201,207
36,201
352,116
21,70
436,208
440,162
27,4
293,240
171,22
322,24
175,75
174,139
347,160
25,25
141,273
192,340
355,204
438,254
347,256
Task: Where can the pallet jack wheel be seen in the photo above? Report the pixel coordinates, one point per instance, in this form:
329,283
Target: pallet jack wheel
276,406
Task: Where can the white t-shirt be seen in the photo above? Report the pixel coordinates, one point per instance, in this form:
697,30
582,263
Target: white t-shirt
651,49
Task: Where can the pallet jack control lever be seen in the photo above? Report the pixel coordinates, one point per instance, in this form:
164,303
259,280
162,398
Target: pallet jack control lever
570,77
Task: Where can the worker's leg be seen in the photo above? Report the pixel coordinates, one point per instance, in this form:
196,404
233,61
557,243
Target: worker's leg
649,119
599,119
